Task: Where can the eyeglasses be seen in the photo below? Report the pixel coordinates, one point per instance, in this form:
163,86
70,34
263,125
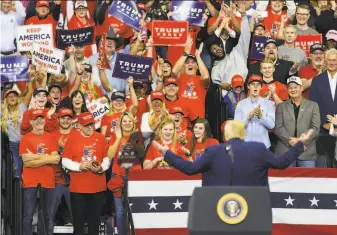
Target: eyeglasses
318,53
89,126
302,14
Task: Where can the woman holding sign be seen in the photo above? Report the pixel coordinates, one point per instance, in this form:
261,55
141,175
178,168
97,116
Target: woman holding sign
125,131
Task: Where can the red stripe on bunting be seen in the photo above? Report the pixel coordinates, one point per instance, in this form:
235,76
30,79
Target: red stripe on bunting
304,173
160,174
163,231
296,229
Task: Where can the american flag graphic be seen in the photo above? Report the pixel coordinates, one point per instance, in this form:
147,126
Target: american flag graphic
304,201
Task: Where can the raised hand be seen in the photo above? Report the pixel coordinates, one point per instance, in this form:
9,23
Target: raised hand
188,45
199,51
51,111
130,81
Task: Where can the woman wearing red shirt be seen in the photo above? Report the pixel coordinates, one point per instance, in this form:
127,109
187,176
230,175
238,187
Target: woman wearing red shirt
124,129
202,138
80,20
165,135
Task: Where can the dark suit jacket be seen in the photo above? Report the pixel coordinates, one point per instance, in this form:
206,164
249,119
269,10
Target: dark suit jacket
320,92
281,74
252,161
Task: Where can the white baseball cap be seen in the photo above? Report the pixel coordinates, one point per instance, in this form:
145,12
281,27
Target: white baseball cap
294,79
331,35
81,4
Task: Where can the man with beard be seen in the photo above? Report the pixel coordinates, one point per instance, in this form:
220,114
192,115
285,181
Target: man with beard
283,69
112,42
316,67
38,152
256,112
223,72
288,51
61,177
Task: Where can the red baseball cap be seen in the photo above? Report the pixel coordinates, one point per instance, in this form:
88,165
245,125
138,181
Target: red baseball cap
34,113
255,78
65,112
169,81
7,92
85,119
42,3
237,80
176,110
157,95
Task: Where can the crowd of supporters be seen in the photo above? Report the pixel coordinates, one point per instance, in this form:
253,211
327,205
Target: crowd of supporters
53,136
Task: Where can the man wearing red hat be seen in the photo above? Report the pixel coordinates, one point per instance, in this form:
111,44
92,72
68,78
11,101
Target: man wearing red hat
61,177
85,155
256,112
43,15
235,95
38,152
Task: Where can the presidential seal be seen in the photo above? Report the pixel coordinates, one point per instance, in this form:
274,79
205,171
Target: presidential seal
232,208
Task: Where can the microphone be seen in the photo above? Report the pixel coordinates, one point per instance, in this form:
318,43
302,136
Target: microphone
231,155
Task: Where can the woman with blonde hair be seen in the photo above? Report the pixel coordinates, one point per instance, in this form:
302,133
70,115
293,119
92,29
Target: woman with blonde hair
118,105
151,120
165,135
11,117
125,131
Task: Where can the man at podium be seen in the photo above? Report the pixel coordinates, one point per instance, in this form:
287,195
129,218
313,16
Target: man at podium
235,162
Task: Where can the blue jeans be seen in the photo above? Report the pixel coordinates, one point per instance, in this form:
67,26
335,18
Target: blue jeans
120,215
29,206
60,190
304,163
17,161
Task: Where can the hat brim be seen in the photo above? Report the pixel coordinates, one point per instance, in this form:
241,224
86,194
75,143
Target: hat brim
254,81
169,83
15,92
46,92
118,41
178,112
294,82
33,118
238,84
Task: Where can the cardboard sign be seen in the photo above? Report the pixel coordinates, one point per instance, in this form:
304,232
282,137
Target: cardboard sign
306,40
14,68
76,37
27,34
49,57
257,48
190,11
126,11
169,32
98,110
128,65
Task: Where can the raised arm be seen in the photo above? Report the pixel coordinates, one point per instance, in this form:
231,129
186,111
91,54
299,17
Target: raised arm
180,63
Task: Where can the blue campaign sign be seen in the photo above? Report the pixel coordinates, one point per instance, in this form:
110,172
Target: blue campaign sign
14,68
257,48
126,11
135,66
190,11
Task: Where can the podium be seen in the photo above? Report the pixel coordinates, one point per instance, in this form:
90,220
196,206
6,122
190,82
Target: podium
230,211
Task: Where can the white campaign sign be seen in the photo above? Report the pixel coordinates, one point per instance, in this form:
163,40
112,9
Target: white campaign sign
98,110
27,34
48,57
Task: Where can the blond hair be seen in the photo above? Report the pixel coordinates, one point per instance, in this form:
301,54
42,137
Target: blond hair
165,122
332,51
266,61
235,129
13,112
132,119
92,88
289,26
153,117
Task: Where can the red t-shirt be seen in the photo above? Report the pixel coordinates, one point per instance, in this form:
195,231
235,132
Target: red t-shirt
193,89
307,72
152,153
143,107
61,140
281,90
200,147
110,121
79,148
122,29
273,22
51,124
43,145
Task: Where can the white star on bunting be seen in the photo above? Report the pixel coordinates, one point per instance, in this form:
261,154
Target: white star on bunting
289,201
335,202
153,205
177,204
314,201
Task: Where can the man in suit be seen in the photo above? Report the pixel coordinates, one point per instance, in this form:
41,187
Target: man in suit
283,69
235,162
295,117
323,91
